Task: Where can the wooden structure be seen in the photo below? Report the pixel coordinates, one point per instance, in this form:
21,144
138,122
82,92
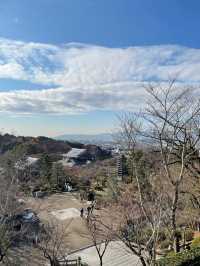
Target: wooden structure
70,262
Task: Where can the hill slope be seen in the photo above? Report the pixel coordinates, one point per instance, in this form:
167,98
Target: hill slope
38,145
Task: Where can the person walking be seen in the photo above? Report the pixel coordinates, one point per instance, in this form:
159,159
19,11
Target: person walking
88,210
81,212
92,207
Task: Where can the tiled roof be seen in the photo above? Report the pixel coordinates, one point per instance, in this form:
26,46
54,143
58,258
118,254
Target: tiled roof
74,153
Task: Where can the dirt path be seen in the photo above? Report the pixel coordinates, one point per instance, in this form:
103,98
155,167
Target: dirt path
76,233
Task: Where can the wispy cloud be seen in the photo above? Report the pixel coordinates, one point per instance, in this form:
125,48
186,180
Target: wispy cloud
89,77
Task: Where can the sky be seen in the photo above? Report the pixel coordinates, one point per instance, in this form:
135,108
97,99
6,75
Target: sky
70,66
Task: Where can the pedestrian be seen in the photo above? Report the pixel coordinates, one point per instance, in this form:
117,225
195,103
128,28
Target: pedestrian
92,207
88,213
81,212
81,196
88,210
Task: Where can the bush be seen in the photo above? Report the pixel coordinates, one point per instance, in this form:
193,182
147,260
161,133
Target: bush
186,258
196,242
170,254
26,189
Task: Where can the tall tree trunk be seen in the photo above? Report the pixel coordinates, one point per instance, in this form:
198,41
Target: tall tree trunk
101,261
175,236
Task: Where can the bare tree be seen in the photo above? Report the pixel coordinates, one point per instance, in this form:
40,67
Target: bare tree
9,206
52,243
100,236
135,223
139,211
173,118
173,130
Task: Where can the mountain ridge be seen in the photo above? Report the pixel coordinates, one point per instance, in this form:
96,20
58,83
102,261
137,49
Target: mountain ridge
86,138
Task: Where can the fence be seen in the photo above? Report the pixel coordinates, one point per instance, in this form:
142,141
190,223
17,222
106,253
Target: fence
71,262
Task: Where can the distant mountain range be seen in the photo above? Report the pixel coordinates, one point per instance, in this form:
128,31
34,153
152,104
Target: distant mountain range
87,138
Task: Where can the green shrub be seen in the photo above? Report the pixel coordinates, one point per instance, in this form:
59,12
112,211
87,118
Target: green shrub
186,258
196,242
26,189
171,254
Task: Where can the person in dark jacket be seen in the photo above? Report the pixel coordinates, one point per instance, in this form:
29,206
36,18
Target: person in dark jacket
81,212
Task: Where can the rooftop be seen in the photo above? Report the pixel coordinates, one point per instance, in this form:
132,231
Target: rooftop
74,153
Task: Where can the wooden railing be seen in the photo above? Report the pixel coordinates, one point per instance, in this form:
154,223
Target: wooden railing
70,262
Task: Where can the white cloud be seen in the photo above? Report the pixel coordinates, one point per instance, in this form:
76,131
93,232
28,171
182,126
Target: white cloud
12,69
89,77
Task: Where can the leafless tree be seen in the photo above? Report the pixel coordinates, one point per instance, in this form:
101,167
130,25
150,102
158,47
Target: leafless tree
52,243
173,122
136,223
99,235
12,229
9,206
138,212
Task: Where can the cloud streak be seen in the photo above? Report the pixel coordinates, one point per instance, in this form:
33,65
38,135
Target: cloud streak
89,77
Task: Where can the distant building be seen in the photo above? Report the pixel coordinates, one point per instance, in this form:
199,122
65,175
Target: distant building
76,154
76,157
121,168
84,156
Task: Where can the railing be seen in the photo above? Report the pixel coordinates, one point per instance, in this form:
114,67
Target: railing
70,262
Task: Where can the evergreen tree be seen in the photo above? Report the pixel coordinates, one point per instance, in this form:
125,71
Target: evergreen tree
45,165
58,176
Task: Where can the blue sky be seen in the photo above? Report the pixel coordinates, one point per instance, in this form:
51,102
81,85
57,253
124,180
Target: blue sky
69,66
